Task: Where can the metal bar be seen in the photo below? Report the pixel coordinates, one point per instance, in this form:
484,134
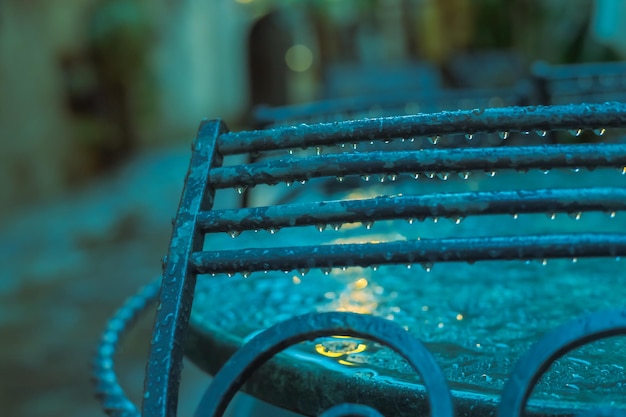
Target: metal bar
435,160
544,118
178,283
424,251
570,200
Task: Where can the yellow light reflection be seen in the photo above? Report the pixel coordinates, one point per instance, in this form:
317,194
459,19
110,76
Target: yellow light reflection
360,283
459,316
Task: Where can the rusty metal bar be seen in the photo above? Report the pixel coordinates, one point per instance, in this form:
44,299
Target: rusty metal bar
424,251
571,200
507,119
432,160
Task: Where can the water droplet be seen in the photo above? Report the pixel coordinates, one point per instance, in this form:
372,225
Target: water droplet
392,177
612,214
374,267
241,189
428,266
230,274
623,171
365,177
525,132
464,174
336,226
433,139
410,220
575,215
443,175
288,183
339,178
544,262
456,219
599,132
491,173
326,270
504,135
409,266
411,140
381,178
318,150
545,171
234,233
367,225
430,175
469,136
245,274
551,216
574,260
302,181
303,271
290,151
542,133
575,169
320,227
435,219
575,132
355,146
416,175
273,230
515,216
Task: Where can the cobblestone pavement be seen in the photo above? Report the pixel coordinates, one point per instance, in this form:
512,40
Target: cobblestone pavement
66,266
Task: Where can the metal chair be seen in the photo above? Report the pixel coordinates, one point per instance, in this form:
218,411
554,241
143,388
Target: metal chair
339,151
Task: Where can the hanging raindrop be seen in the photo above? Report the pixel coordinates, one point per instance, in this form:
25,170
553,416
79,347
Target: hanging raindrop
433,139
318,150
469,136
245,274
365,177
303,271
428,266
575,132
599,132
542,133
416,175
241,189
339,178
464,174
367,225
575,215
326,270
234,233
443,175
504,135
374,267
336,226
320,227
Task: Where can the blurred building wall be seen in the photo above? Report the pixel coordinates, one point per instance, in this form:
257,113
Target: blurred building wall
195,66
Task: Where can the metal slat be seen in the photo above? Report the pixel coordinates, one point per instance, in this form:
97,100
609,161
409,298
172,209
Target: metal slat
544,118
435,160
570,200
424,251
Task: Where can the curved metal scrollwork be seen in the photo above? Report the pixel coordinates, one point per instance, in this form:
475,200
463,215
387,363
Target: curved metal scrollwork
555,344
310,326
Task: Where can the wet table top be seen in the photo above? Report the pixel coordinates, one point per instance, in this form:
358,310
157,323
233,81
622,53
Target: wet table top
476,319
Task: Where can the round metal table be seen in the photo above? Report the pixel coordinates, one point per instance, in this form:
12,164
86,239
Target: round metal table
476,320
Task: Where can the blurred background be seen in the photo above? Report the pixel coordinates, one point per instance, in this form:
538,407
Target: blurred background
100,99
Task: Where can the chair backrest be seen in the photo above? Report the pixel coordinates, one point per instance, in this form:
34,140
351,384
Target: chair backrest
340,151
580,83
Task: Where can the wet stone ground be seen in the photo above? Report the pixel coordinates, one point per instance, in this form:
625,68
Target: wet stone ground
66,266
